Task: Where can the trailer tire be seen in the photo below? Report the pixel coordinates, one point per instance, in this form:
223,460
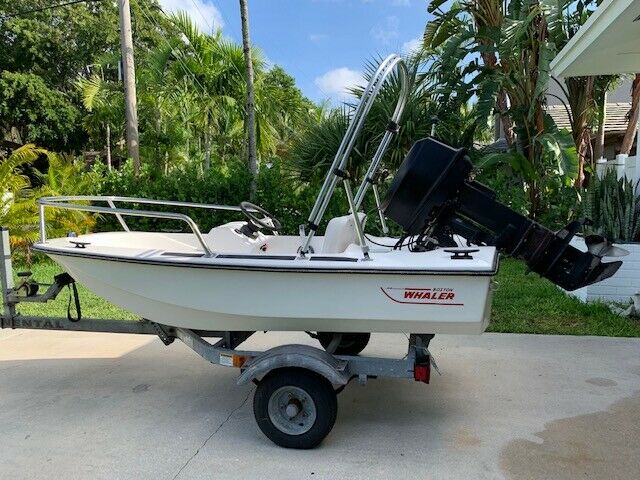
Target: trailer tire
351,343
295,408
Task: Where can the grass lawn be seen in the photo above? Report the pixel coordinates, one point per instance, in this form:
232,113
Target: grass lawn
521,304
92,306
531,304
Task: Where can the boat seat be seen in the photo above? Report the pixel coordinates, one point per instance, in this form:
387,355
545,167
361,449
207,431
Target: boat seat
340,233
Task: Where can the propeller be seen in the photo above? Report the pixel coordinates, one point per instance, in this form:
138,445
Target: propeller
601,247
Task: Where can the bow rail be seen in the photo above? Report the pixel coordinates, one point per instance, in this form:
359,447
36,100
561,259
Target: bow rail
67,203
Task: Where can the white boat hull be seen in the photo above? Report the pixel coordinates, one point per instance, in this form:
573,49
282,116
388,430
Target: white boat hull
218,299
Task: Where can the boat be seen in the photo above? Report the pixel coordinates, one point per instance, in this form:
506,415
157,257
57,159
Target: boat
262,284
436,277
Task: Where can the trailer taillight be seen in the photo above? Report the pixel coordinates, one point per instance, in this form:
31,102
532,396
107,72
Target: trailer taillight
422,372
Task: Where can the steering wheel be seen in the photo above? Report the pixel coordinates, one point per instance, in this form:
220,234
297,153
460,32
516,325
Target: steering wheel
248,209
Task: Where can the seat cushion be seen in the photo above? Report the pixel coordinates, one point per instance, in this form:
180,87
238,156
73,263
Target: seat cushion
340,233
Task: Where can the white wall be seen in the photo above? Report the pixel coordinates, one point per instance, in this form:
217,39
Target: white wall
625,166
620,287
626,281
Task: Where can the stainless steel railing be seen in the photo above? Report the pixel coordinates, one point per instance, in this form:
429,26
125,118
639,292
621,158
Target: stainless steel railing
63,202
390,64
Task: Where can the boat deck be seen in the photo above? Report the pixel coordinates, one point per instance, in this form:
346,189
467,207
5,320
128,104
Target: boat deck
272,252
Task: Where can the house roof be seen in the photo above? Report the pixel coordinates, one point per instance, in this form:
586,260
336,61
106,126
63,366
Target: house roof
608,43
616,119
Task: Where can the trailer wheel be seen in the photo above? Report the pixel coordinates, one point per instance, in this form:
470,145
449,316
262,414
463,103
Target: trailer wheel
350,344
295,408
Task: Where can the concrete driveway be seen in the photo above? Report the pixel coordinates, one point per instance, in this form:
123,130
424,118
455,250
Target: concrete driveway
76,405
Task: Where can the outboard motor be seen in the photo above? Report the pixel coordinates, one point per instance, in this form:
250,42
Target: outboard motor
432,196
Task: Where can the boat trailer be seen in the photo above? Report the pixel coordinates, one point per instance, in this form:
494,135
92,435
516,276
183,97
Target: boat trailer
295,402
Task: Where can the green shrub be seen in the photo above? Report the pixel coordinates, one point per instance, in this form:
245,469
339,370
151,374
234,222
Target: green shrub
228,184
18,196
558,204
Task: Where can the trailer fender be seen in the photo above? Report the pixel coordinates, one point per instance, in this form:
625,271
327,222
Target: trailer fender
296,356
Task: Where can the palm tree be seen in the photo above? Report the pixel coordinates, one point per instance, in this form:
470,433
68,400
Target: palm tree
66,177
250,112
215,67
18,207
542,156
455,123
192,94
167,106
582,93
104,102
281,112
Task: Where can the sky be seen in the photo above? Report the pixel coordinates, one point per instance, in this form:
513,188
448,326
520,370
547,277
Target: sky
323,44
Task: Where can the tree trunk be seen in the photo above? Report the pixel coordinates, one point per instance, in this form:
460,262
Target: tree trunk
602,119
507,123
207,147
502,104
534,151
580,91
108,147
158,121
129,79
630,133
252,149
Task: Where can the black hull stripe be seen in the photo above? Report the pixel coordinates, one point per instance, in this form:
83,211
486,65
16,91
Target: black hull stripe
262,268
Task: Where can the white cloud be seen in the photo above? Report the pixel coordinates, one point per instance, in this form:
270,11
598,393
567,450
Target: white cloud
205,15
411,46
387,32
335,83
318,37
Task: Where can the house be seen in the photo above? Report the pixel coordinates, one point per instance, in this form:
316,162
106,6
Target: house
616,118
609,43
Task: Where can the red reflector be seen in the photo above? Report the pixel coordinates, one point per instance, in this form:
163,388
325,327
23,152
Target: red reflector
422,372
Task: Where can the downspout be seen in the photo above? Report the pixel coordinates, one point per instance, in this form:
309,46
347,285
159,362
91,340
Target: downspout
637,159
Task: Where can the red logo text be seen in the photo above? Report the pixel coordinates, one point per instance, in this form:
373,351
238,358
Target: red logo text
427,296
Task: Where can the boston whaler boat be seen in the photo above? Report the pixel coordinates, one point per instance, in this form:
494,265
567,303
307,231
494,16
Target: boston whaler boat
244,276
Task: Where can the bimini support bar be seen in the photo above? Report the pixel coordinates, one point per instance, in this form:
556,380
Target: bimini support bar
376,196
392,129
386,67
